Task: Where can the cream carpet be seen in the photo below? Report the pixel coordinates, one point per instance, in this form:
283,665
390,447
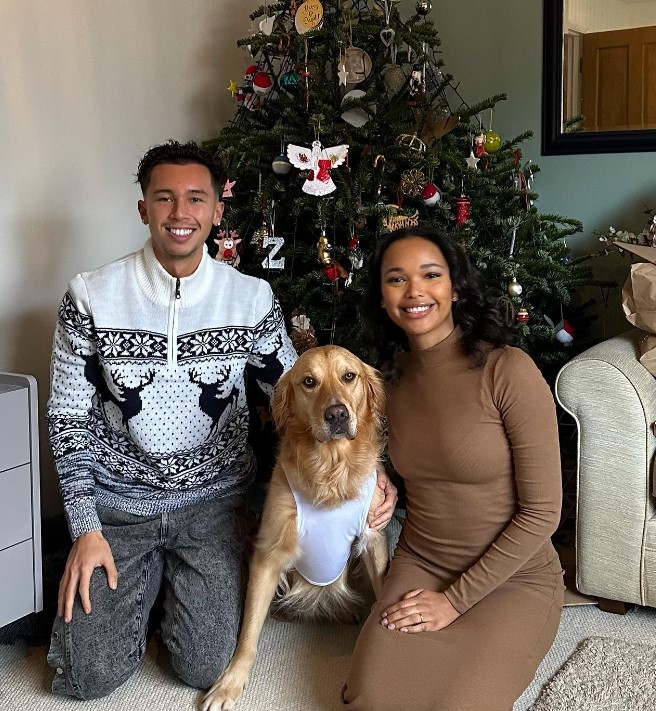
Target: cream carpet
603,673
301,667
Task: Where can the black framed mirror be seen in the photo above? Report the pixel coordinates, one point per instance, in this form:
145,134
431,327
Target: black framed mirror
556,139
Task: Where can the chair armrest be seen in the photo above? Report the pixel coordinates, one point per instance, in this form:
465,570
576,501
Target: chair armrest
612,397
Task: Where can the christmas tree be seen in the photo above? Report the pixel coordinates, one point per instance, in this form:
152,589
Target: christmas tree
347,127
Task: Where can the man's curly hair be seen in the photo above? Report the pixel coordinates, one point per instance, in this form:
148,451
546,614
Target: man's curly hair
176,153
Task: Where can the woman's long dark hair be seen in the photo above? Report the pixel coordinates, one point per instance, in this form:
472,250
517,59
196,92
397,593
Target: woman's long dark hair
476,315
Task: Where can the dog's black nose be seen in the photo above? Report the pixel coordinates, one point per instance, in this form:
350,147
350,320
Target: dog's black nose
336,415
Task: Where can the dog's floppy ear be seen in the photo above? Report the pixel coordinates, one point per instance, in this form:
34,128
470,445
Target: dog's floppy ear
375,393
281,402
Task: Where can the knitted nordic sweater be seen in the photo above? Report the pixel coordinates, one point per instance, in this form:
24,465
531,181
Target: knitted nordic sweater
147,411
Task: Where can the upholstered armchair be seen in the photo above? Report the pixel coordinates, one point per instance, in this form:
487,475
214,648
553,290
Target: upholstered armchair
612,397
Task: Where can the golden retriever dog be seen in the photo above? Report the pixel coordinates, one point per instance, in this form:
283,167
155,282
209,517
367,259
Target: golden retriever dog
327,410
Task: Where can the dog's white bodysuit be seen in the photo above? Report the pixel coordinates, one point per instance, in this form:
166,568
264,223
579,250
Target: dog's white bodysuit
325,536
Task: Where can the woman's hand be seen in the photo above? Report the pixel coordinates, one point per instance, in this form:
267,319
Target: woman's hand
383,514
420,611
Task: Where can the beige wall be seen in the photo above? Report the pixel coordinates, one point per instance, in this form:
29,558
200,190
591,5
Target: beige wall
603,15
86,86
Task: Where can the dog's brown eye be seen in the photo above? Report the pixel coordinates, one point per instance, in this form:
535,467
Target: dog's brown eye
309,382
349,377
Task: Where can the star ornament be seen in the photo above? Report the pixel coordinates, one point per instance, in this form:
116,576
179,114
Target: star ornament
232,87
342,74
472,161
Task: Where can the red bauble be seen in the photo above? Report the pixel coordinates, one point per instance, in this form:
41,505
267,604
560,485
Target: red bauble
262,83
330,270
354,243
463,209
250,72
522,315
431,194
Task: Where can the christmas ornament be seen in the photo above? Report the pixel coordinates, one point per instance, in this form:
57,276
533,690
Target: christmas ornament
479,145
411,142
506,310
266,25
393,222
358,64
232,87
412,182
514,287
323,248
492,142
302,333
259,236
387,35
342,73
472,161
317,161
356,115
463,209
394,79
250,72
262,83
423,7
227,189
309,16
289,81
269,262
431,195
434,123
355,254
522,315
564,332
417,86
227,245
522,180
334,270
248,99
281,165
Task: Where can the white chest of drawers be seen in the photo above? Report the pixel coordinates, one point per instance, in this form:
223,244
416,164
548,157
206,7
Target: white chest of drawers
20,511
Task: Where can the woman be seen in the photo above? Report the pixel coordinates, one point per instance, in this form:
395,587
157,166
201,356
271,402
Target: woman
473,597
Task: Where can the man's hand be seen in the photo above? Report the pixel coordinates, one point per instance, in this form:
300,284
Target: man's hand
383,514
89,551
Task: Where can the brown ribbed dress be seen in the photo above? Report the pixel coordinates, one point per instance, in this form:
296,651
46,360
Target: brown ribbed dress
478,452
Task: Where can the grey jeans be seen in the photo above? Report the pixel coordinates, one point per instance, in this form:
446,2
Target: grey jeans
197,554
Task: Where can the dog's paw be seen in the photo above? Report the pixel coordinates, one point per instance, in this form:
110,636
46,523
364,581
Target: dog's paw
223,694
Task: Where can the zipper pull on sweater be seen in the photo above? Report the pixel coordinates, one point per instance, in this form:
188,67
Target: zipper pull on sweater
177,289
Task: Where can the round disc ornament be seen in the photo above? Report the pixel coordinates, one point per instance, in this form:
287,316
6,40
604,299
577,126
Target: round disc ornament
358,65
309,16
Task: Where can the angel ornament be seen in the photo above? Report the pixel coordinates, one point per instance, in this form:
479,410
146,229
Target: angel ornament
317,161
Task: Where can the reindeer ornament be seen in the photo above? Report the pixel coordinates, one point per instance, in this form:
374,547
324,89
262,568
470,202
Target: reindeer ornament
228,248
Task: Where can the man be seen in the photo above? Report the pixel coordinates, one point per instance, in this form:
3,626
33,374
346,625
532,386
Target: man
148,423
